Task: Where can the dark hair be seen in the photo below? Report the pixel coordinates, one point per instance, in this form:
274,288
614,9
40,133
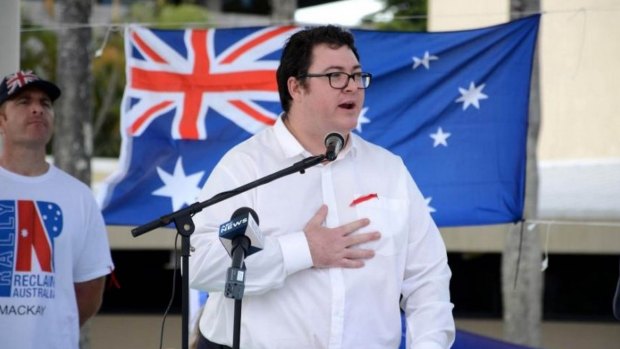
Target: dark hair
297,54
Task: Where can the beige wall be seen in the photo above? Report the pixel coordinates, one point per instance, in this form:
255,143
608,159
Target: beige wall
457,14
580,75
579,46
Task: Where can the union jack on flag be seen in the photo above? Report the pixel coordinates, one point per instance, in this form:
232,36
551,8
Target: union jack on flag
188,75
453,105
190,96
19,79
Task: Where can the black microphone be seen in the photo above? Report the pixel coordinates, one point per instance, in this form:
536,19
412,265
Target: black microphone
241,238
334,143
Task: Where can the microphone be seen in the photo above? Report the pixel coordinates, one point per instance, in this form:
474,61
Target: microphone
241,238
334,143
243,223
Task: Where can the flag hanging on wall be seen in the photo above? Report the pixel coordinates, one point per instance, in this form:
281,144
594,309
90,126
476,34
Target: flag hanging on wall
453,105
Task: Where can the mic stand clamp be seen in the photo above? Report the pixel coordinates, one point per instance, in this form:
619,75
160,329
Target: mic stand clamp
235,283
235,276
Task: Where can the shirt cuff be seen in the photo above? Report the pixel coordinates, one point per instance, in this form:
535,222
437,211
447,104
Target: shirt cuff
295,252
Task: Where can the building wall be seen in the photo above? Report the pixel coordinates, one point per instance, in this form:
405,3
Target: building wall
456,15
580,76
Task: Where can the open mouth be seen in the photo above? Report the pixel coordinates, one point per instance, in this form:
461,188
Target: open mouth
347,105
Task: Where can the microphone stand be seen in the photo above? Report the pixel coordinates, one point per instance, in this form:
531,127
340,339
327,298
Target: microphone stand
182,219
234,287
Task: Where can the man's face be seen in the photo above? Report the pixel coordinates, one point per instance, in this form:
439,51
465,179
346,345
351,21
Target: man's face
324,108
27,119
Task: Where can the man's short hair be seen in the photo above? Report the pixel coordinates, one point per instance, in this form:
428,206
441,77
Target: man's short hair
297,54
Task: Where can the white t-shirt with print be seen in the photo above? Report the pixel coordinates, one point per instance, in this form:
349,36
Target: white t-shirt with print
52,235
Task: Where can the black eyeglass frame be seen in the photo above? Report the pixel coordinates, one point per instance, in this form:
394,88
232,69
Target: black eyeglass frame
358,78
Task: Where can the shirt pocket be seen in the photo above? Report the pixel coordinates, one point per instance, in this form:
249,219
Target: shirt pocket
389,217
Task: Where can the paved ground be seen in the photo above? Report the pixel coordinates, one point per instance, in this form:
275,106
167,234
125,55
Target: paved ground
143,332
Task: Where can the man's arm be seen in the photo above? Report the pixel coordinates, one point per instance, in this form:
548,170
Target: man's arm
89,296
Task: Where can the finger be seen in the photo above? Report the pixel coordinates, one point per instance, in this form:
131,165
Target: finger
357,239
355,254
351,263
319,217
355,225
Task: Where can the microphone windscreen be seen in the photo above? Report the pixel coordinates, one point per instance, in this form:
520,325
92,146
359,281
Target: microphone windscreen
243,211
334,138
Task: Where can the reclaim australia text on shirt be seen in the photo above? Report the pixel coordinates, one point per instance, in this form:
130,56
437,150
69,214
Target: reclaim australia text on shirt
27,233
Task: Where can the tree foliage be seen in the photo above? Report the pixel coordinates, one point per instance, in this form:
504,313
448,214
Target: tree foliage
408,15
109,78
38,50
165,15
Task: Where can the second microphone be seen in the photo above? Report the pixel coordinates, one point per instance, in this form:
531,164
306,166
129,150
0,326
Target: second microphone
240,237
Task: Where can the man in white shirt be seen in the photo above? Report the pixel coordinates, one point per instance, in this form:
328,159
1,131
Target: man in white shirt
348,244
53,242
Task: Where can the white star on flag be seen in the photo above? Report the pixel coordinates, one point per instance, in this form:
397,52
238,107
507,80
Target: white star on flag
425,61
440,137
430,208
362,119
181,189
471,96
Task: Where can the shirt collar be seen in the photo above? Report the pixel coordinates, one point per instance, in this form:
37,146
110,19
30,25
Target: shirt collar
291,146
350,148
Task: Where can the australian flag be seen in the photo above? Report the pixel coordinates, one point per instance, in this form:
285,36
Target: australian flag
453,105
27,233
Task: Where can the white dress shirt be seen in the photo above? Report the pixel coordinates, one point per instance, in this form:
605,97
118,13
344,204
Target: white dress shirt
290,304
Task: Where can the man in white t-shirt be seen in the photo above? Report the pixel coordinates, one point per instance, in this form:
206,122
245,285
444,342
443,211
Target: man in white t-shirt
54,252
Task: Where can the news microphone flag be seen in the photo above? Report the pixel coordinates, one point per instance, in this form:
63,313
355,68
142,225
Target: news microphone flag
244,222
453,105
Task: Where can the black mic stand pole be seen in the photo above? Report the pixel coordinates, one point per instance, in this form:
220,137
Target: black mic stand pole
235,283
182,219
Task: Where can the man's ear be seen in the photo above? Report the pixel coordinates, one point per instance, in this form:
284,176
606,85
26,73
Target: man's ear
294,87
2,121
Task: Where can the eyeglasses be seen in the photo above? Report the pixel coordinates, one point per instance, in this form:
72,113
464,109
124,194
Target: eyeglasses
340,80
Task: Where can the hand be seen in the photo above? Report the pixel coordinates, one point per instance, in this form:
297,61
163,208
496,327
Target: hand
335,247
